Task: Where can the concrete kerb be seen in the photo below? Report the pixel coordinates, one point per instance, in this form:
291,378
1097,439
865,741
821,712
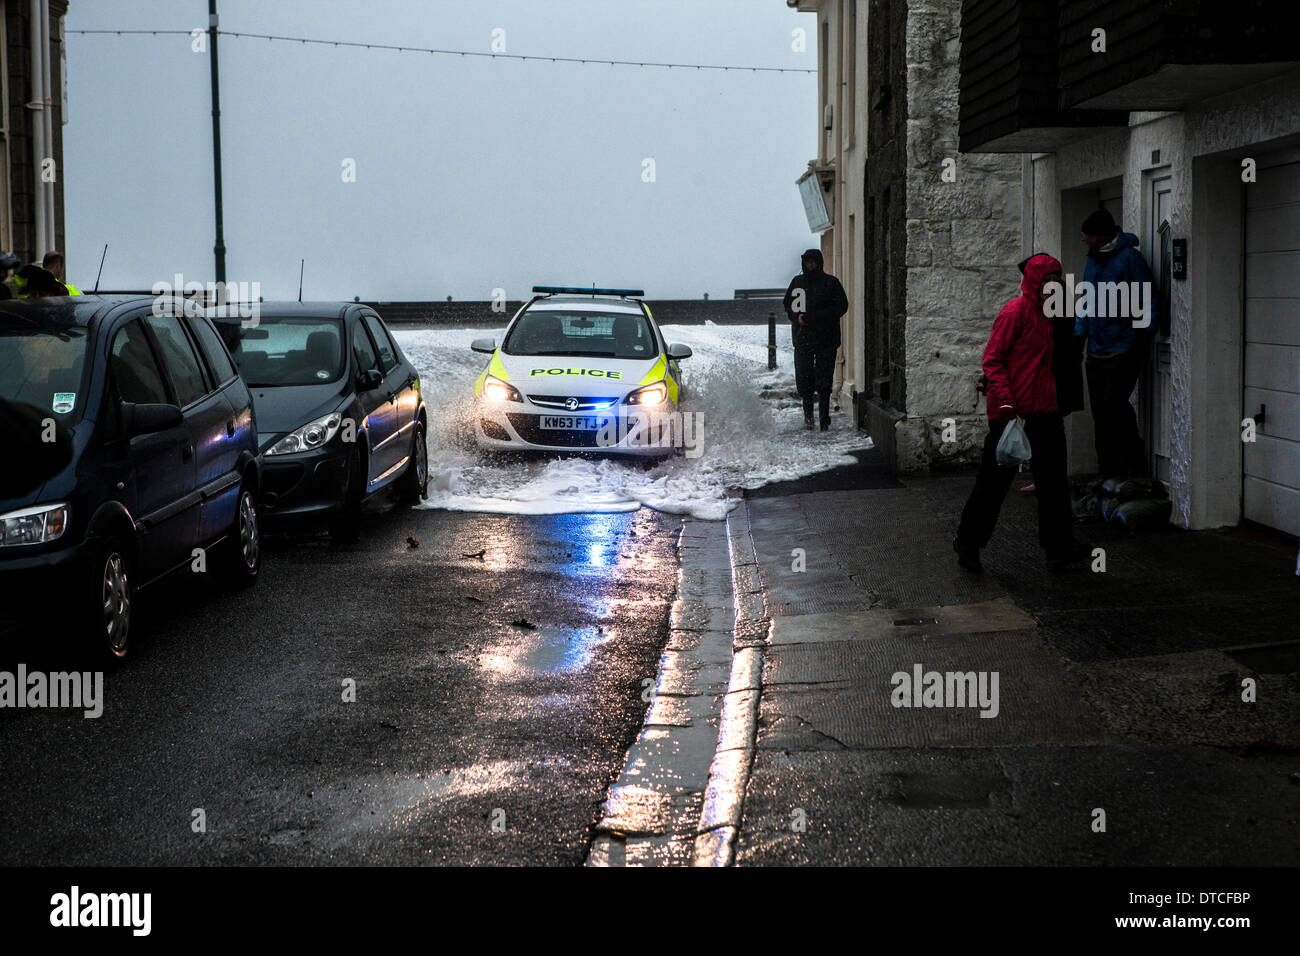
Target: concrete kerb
651,812
680,796
724,799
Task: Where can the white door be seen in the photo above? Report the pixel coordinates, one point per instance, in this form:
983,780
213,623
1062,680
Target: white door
1271,360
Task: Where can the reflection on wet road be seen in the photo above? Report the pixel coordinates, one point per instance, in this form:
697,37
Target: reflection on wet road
497,665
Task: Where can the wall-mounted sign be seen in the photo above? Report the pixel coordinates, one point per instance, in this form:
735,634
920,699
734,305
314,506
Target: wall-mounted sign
1178,260
814,204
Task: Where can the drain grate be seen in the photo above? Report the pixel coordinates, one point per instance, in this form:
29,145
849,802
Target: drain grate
927,791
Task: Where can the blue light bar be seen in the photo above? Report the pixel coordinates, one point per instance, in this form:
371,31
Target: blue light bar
574,290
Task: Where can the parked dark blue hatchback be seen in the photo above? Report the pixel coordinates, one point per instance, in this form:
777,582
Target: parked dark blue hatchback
339,406
129,441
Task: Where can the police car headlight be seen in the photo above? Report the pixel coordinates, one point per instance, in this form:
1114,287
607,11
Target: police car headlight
495,390
33,525
655,394
309,436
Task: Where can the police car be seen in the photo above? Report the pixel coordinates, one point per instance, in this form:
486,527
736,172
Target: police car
580,369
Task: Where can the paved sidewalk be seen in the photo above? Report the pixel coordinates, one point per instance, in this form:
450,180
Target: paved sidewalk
1119,692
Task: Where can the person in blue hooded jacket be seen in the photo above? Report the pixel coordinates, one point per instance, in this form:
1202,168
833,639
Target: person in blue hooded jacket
1118,344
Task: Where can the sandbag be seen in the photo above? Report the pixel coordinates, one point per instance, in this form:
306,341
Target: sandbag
1130,489
1144,514
1086,508
1085,501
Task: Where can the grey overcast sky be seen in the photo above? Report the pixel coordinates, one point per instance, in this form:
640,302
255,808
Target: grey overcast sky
471,173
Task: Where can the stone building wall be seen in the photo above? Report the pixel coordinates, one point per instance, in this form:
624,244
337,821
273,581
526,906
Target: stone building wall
963,243
884,309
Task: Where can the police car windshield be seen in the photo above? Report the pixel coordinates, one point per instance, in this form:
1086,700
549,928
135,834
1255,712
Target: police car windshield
616,335
43,368
286,350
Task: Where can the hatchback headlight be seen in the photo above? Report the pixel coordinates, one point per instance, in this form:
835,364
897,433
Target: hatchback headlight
309,436
37,525
655,394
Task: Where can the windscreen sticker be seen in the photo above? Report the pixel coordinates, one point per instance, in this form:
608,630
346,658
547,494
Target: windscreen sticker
64,402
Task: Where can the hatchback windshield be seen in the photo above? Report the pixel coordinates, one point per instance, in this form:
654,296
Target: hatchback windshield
43,367
598,334
286,351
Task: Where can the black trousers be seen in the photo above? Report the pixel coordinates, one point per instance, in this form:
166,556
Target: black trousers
1046,435
1111,381
814,371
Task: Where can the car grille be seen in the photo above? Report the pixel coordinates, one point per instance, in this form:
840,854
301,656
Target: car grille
527,428
557,401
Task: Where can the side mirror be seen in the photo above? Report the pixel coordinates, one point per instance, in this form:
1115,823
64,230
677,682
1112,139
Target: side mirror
486,345
146,419
371,379
679,351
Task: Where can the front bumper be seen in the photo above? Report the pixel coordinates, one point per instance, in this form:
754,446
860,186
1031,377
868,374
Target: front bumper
51,558
303,485
622,430
36,584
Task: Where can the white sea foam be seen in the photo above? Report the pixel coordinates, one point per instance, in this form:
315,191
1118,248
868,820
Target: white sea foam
753,434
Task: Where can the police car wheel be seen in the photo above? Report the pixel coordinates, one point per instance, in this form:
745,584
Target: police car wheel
110,596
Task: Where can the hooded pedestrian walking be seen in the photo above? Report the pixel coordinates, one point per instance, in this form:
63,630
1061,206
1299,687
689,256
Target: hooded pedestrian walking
1018,365
1067,365
1117,349
814,303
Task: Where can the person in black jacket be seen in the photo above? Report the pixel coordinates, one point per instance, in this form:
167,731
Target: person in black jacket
8,262
39,284
814,303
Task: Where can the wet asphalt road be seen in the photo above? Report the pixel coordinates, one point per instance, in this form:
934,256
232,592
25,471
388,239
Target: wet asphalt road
495,700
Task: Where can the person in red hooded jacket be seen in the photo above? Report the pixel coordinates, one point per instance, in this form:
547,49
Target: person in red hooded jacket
1020,384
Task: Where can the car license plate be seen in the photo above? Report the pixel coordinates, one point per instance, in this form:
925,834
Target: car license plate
571,423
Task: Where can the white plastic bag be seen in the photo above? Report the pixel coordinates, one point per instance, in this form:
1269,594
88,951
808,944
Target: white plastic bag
1013,446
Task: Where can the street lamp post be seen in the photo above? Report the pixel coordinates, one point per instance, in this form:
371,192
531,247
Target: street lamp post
219,249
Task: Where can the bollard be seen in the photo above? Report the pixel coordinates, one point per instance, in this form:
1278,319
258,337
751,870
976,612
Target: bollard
771,340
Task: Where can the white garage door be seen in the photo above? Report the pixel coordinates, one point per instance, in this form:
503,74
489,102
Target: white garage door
1271,369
